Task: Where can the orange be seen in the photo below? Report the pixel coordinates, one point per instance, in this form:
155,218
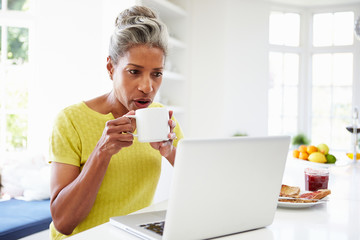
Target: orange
296,153
311,149
304,155
303,148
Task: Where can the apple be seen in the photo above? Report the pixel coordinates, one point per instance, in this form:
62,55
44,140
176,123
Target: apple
323,148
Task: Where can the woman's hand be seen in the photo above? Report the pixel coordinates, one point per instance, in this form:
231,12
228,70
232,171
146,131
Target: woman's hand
166,148
117,134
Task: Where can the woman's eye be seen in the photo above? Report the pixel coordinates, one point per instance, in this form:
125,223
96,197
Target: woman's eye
158,74
133,71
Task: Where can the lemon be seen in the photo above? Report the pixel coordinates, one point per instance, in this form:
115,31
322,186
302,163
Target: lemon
317,157
330,158
351,156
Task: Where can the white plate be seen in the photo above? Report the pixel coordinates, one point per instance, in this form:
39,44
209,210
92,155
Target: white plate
323,165
302,205
298,205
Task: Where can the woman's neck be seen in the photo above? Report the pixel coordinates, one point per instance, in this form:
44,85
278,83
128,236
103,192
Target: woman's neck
107,103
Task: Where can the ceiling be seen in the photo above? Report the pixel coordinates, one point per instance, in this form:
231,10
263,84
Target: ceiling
309,3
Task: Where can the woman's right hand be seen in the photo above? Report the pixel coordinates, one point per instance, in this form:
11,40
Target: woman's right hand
117,134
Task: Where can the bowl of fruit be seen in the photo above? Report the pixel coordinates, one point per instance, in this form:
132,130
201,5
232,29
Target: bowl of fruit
315,154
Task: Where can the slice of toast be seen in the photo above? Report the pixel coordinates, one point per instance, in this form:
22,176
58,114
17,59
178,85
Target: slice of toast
289,191
319,194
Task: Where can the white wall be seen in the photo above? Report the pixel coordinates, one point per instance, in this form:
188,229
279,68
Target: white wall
68,52
246,87
72,41
228,68
206,68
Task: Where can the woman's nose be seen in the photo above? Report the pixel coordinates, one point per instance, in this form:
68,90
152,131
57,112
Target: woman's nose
145,85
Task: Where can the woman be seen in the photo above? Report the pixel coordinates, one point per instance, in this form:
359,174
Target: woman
98,169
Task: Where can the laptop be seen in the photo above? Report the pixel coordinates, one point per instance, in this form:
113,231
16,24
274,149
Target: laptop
219,187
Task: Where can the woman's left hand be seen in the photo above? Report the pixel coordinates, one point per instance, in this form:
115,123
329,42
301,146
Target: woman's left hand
166,148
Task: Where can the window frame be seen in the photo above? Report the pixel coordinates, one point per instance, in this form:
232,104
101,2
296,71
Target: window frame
292,49
12,18
306,50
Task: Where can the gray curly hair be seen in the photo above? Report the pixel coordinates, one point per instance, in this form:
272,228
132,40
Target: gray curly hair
137,25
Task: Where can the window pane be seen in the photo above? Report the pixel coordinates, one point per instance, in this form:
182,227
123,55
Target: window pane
341,139
342,99
16,134
343,28
321,101
322,29
291,29
321,130
290,101
18,44
322,65
283,93
291,69
275,102
343,69
16,87
290,126
276,30
18,5
332,97
276,68
284,29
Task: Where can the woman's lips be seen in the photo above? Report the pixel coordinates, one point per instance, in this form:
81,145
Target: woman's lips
142,103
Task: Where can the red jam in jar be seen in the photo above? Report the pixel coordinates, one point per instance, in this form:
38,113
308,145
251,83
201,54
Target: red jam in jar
316,179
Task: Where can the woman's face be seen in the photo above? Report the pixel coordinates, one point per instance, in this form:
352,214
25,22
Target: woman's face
137,76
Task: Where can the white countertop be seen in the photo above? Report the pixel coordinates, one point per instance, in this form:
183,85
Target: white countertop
338,218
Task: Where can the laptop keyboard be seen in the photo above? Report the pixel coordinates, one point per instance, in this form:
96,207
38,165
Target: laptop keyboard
157,227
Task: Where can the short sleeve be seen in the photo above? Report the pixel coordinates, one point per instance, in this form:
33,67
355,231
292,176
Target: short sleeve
65,144
178,132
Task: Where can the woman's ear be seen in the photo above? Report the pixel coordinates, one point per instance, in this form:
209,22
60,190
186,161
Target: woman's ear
109,67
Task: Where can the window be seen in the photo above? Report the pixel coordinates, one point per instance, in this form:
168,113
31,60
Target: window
14,74
283,92
333,29
332,77
312,81
284,60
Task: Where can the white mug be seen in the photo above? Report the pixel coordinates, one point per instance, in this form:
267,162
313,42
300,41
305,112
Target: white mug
152,124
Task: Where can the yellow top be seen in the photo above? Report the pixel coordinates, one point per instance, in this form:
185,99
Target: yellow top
132,175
